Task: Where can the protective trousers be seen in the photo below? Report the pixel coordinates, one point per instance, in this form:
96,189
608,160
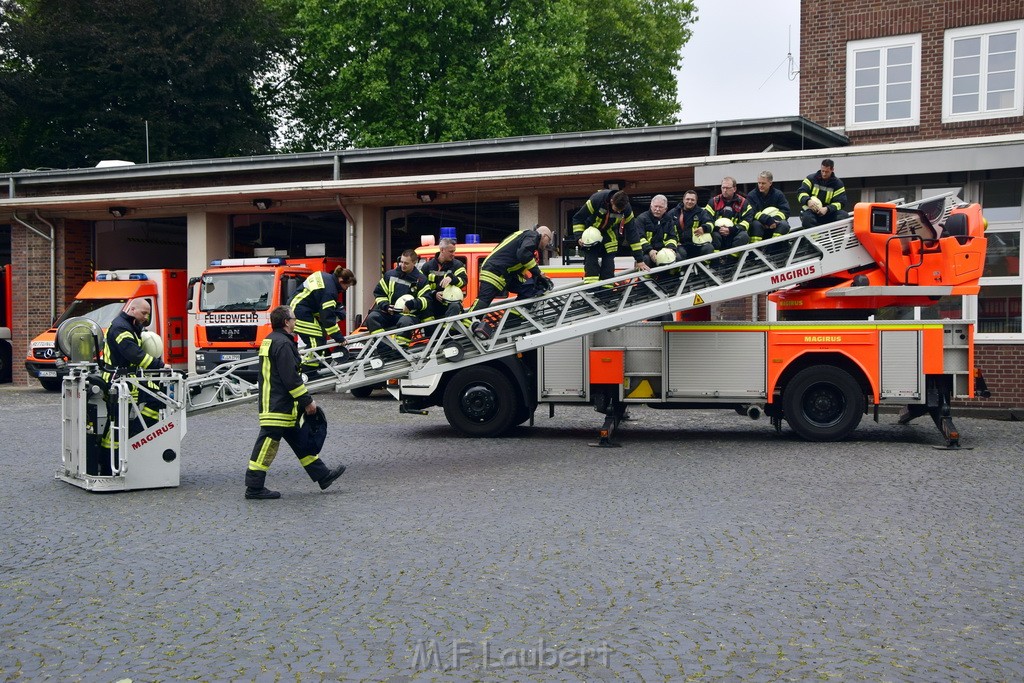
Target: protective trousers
265,450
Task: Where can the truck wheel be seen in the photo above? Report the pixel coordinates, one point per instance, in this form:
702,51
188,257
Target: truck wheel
480,401
823,403
51,384
362,392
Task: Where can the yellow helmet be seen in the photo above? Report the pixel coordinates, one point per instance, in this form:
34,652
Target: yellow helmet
591,236
665,256
152,344
452,293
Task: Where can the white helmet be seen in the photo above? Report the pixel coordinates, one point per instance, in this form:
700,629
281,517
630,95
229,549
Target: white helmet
403,301
591,236
452,293
724,223
665,256
814,204
152,344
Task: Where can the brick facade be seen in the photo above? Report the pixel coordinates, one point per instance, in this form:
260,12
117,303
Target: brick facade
30,254
825,29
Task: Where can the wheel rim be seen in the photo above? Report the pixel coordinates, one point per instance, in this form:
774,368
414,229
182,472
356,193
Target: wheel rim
823,404
479,403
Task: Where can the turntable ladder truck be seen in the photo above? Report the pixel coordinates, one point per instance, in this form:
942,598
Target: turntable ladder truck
589,343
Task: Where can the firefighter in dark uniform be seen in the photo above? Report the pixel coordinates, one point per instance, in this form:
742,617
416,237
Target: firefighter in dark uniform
770,207
694,237
282,396
405,280
610,213
822,197
123,353
652,231
317,310
443,271
505,268
728,217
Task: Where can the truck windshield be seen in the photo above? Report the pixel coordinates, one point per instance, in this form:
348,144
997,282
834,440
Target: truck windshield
236,292
103,311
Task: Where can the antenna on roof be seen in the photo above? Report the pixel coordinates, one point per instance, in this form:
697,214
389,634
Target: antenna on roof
793,73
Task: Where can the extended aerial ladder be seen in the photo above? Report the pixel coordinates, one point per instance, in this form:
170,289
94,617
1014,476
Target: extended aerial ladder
889,236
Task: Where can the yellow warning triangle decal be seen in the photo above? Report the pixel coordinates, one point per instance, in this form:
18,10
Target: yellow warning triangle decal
643,390
697,301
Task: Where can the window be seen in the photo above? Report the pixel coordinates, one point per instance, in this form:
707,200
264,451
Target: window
982,72
1002,285
883,82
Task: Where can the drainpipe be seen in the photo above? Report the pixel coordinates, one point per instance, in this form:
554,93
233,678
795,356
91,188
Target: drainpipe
53,261
713,150
352,251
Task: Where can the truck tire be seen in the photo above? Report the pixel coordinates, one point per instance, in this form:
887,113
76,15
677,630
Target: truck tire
362,392
51,384
480,401
823,403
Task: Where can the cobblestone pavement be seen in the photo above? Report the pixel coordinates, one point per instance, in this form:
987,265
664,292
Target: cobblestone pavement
706,547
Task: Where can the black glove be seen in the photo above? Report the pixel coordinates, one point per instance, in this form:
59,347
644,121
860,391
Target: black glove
414,305
338,338
545,284
385,307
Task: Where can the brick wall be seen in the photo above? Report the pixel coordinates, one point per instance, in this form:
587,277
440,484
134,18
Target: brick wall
1003,365
30,257
825,29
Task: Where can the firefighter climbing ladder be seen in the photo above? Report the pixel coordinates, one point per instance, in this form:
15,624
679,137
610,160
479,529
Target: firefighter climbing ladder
151,458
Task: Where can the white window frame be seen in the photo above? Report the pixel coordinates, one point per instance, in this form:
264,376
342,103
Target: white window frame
881,45
984,32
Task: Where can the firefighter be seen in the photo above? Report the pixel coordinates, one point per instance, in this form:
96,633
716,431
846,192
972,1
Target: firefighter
690,221
282,396
609,213
652,231
444,272
822,197
399,299
771,210
317,310
727,217
505,268
123,354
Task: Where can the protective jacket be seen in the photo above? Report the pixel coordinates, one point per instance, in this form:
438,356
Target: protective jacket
738,209
122,347
648,232
435,271
316,307
831,192
397,283
686,221
282,395
774,197
515,255
597,213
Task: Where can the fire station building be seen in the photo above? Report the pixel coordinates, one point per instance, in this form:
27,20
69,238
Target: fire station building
909,98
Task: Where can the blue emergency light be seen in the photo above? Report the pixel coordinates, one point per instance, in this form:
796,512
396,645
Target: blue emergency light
137,276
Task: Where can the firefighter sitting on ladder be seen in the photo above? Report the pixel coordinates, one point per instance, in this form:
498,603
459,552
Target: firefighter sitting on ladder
123,353
317,312
399,299
504,270
446,280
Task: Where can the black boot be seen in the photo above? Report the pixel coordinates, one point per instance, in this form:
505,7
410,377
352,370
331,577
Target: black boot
331,476
254,488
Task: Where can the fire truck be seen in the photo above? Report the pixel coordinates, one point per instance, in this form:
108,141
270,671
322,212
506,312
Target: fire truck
594,344
235,299
101,300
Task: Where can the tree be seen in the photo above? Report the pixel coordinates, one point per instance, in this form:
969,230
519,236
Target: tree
391,72
79,79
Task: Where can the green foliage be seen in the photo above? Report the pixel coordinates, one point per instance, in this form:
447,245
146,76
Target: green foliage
79,79
370,73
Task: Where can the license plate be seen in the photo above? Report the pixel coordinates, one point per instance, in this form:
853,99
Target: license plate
47,373
231,356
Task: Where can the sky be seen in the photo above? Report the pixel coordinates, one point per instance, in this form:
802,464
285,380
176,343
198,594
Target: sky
760,65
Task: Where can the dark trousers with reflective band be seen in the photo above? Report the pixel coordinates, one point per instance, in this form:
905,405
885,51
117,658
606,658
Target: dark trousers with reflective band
263,453
149,409
598,264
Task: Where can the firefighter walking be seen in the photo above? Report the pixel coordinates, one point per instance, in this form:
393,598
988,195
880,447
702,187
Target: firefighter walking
282,396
